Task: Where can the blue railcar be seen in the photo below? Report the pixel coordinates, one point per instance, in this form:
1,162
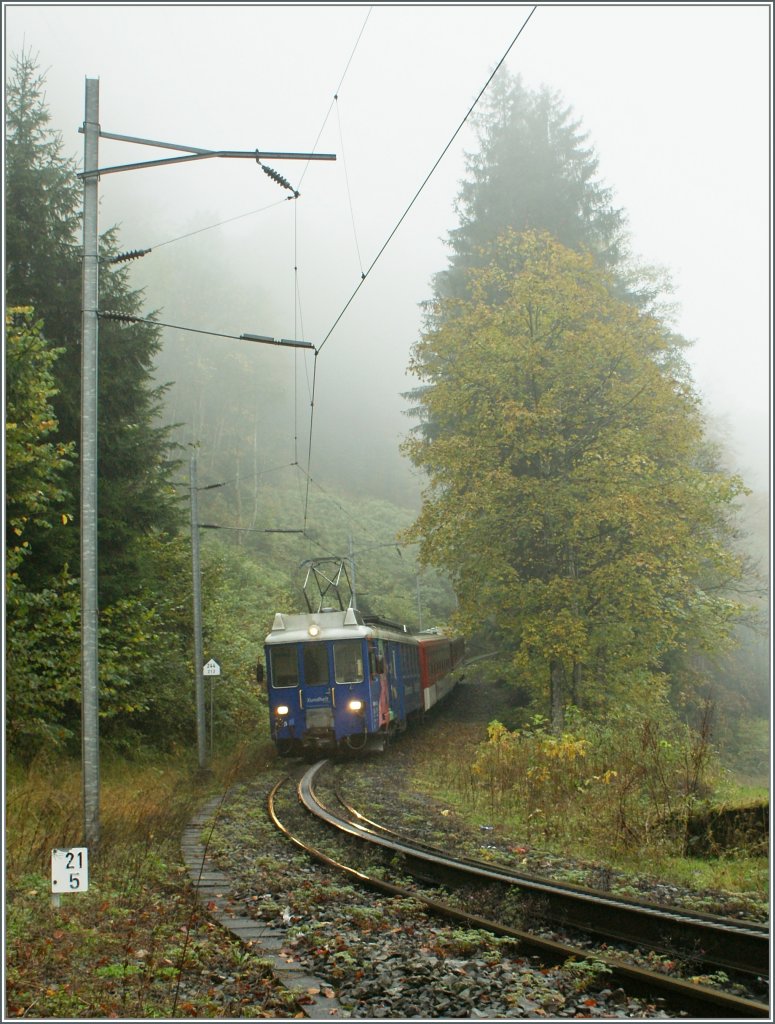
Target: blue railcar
338,680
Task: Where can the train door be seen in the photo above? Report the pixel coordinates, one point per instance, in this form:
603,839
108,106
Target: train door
396,683
378,665
316,689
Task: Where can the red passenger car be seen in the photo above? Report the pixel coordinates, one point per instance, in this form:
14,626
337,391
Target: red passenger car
440,660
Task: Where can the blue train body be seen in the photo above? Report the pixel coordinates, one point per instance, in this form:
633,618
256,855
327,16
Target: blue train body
338,680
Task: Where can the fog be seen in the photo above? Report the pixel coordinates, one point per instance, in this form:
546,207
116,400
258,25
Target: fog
675,100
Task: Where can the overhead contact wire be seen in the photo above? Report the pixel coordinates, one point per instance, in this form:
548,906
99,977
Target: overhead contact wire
427,179
309,449
295,333
348,515
347,185
336,92
392,233
230,220
298,297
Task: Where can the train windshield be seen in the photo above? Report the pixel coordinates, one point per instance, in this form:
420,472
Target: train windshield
315,664
284,665
348,661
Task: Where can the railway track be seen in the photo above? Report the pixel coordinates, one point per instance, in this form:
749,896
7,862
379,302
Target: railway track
742,948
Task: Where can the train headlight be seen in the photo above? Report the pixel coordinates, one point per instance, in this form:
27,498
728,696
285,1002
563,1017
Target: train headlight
355,705
314,629
281,710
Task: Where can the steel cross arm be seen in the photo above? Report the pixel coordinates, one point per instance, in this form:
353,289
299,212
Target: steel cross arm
373,547
192,153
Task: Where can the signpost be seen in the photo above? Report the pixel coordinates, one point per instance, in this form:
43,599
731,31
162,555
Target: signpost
69,871
211,669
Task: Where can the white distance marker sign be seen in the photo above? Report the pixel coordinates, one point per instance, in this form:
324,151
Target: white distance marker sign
70,870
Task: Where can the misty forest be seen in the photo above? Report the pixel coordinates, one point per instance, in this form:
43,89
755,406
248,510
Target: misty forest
553,490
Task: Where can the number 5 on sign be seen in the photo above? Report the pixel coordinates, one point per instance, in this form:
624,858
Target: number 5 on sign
70,870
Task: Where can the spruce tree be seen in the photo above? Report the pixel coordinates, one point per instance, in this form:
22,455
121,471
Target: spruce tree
534,171
42,208
43,271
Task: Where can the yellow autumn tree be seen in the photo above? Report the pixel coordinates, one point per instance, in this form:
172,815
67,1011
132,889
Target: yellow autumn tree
568,496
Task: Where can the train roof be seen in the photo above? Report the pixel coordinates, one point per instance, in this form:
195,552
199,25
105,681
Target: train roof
346,624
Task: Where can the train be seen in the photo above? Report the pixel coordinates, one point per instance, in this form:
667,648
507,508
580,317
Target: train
340,681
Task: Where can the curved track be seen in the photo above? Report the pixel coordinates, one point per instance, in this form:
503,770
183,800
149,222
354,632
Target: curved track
582,908
716,941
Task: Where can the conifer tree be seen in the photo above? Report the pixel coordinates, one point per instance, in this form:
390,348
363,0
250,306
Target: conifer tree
534,171
43,270
143,640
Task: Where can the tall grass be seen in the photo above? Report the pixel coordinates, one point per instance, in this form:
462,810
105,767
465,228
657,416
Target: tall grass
143,804
620,791
127,945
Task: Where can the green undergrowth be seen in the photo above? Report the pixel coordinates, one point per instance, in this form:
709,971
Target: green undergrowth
137,943
736,873
618,794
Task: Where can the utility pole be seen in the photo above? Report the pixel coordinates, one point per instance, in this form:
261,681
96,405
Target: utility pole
90,739
91,173
352,568
197,587
351,560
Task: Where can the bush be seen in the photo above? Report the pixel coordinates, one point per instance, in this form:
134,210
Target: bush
628,781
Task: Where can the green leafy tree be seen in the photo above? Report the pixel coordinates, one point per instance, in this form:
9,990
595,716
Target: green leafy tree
568,495
535,170
43,271
34,463
42,664
42,655
143,645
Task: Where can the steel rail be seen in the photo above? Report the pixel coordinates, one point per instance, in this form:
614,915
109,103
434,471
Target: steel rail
695,999
749,956
709,938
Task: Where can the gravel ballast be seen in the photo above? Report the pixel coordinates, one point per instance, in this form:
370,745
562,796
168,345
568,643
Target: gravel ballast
362,955
384,957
